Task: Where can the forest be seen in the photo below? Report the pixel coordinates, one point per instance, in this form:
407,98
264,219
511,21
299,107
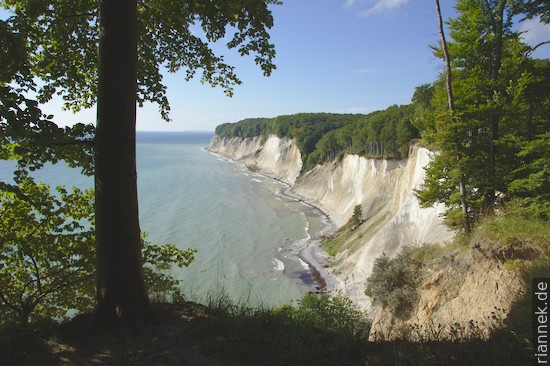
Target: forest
323,137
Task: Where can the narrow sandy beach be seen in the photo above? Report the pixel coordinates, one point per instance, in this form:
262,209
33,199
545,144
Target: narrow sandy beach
316,258
313,254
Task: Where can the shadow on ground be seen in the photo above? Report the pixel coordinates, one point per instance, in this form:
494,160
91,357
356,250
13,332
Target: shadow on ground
190,334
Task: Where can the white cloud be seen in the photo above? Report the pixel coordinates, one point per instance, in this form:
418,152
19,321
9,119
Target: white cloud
349,3
535,31
377,6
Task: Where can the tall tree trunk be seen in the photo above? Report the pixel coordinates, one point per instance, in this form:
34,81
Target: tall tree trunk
122,299
449,84
530,125
497,25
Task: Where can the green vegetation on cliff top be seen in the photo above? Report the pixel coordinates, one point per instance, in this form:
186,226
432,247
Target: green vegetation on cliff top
323,137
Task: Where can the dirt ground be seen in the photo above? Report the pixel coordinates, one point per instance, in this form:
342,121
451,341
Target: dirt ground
168,343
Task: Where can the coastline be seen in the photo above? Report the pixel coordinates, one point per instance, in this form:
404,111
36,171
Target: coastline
317,260
313,255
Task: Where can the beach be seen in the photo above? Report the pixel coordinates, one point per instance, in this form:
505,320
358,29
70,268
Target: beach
316,259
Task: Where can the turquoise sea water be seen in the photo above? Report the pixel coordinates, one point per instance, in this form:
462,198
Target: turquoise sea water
247,232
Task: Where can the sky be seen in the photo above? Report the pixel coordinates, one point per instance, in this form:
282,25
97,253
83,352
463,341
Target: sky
337,56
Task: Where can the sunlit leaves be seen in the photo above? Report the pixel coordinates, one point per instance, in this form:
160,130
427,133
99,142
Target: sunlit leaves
31,138
534,174
158,262
47,247
62,39
47,254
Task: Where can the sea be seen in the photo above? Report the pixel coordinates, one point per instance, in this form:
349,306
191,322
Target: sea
248,231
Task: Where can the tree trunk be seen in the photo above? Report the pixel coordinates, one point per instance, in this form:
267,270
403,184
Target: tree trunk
497,25
450,98
122,300
530,126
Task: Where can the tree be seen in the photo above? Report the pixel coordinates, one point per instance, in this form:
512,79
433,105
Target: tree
423,116
47,263
113,54
534,8
530,178
452,112
47,245
26,134
533,180
357,217
486,102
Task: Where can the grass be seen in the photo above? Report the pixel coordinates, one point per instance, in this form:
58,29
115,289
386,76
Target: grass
335,243
320,330
324,330
345,238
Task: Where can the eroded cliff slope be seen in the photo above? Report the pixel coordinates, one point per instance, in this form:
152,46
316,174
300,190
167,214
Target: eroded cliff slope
466,293
392,215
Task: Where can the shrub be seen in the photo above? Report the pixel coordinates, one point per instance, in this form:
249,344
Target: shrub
394,282
158,261
46,265
332,313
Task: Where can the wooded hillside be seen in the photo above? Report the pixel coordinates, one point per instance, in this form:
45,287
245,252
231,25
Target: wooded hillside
324,136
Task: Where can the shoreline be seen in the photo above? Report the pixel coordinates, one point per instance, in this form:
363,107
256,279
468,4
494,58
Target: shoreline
317,260
313,255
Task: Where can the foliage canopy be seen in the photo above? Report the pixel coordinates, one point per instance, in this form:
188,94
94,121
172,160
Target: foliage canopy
48,250
323,136
491,143
57,41
113,57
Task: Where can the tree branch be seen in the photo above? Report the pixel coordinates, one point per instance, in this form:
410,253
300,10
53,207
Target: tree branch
37,273
489,11
8,304
15,190
90,143
73,16
537,46
55,288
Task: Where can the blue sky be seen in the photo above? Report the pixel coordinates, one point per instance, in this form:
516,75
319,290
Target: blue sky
340,56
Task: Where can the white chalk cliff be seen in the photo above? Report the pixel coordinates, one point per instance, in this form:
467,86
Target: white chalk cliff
384,188
278,157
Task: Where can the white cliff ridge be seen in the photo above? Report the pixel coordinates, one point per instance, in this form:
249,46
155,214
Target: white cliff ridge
278,157
384,189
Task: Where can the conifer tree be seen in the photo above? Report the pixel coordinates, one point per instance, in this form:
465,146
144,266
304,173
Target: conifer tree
490,74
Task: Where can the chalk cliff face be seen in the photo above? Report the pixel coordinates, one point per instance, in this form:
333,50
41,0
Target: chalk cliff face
462,293
278,157
393,216
384,188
